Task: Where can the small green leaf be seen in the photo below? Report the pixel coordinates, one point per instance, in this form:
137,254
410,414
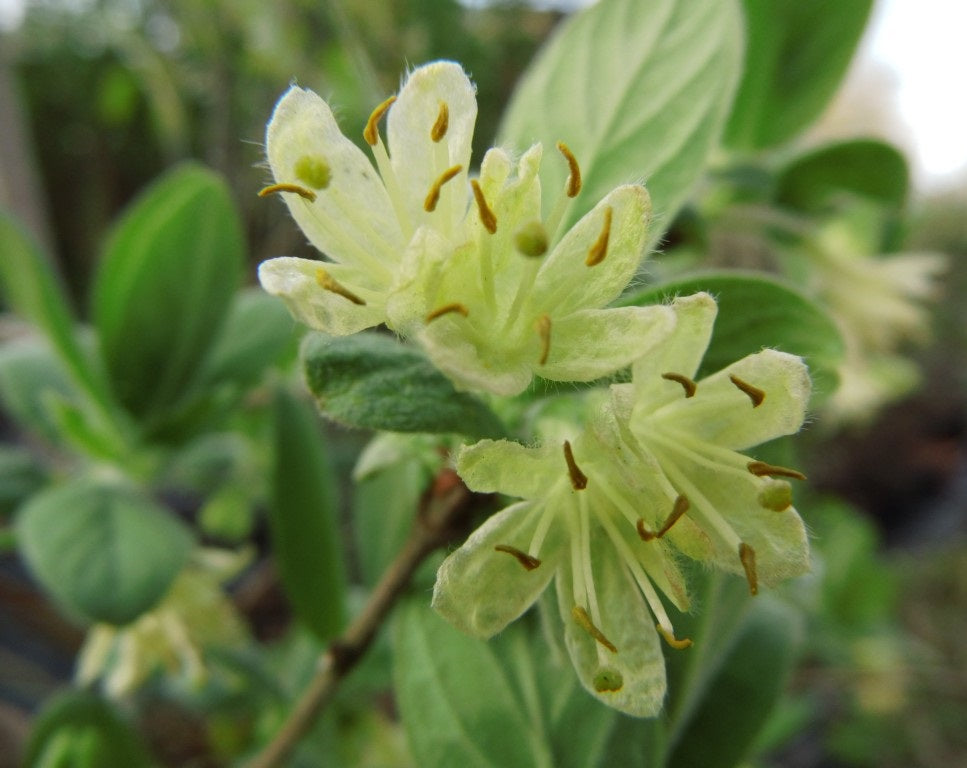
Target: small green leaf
740,697
33,290
637,91
164,285
79,730
783,319
370,380
457,703
303,519
30,372
864,167
101,548
796,55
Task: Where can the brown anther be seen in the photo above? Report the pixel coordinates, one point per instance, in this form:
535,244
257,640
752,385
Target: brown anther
579,480
329,283
487,217
446,309
574,179
747,556
371,131
762,469
528,561
689,385
543,326
669,637
680,508
439,129
581,617
303,192
599,250
433,196
755,394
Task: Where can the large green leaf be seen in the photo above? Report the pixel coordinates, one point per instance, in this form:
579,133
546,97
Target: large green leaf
103,549
756,311
637,90
866,167
164,285
457,701
796,54
33,290
303,519
370,380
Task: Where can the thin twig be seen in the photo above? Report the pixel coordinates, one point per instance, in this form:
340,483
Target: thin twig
444,508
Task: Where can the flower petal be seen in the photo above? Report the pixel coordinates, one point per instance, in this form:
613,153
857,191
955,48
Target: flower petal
417,160
503,466
638,666
480,590
351,219
593,343
565,283
295,281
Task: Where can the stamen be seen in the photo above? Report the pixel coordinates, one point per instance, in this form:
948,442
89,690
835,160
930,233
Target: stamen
762,469
775,495
544,331
528,561
747,556
579,480
314,171
574,179
689,385
433,196
669,637
329,283
531,239
608,680
599,250
371,131
680,508
302,192
486,215
581,617
755,394
446,309
439,129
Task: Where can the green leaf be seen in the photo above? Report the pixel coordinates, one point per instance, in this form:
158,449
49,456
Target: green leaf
796,55
164,285
864,167
782,319
303,519
33,290
637,91
101,548
29,373
739,699
80,730
456,701
21,474
370,380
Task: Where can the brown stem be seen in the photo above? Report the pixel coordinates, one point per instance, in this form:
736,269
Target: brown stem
442,511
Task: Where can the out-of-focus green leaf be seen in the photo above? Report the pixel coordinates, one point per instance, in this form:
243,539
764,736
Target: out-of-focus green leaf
79,730
33,290
370,380
796,54
457,703
164,285
29,373
303,519
637,91
101,548
866,167
739,699
20,476
783,319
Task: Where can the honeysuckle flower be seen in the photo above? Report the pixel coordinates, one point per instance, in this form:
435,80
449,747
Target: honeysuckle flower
607,510
491,289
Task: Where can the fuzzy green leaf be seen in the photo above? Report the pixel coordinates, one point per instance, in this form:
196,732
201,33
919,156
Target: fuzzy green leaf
370,380
101,548
637,91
